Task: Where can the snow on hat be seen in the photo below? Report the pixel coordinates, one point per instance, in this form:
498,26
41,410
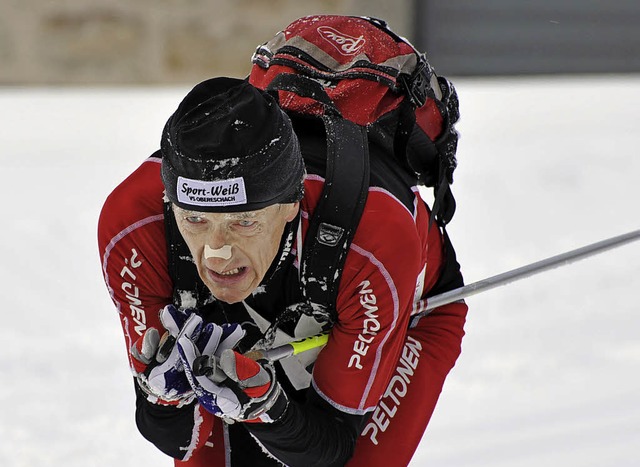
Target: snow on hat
228,147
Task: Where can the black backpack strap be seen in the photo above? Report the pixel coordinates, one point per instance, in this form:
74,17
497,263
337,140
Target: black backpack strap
338,213
421,151
336,217
444,205
303,86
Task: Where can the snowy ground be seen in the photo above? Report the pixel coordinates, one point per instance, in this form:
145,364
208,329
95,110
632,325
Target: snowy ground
550,371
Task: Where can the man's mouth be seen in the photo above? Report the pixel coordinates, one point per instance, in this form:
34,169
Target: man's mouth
229,285
230,272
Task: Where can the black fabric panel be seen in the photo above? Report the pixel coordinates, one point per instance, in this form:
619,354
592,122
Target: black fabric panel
245,451
169,428
450,275
311,434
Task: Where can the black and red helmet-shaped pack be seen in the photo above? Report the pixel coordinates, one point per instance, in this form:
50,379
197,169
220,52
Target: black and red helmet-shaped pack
358,69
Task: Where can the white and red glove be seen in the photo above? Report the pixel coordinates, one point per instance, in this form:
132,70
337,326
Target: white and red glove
156,361
230,385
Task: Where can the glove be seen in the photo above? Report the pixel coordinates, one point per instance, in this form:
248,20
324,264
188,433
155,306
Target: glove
212,341
156,361
229,384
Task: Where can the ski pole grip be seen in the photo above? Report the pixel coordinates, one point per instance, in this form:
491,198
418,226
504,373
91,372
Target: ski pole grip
310,343
287,350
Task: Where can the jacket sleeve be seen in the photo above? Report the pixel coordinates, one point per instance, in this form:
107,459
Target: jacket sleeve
133,253
444,325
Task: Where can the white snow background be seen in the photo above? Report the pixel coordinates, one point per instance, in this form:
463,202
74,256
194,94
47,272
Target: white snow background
550,370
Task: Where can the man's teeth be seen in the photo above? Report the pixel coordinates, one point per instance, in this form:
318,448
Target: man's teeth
230,272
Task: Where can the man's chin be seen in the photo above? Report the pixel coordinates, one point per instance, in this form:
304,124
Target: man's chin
228,294
229,299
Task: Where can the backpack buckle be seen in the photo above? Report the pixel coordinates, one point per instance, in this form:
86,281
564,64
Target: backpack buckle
418,85
328,234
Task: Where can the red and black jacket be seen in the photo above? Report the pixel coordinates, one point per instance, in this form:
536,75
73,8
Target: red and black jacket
394,261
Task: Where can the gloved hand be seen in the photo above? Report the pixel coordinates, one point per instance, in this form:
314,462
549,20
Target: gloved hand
229,384
156,361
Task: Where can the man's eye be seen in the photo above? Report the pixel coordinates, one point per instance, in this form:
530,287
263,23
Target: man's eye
246,223
194,219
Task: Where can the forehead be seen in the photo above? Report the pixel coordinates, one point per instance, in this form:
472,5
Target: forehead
220,216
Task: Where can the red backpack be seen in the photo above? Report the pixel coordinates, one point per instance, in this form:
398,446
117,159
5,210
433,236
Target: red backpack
372,77
368,85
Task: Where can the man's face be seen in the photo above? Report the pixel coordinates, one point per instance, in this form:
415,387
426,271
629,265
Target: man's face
233,251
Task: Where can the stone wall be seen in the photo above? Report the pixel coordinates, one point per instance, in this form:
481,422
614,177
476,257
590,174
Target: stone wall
71,42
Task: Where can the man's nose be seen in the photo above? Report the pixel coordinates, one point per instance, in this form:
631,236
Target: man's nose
224,252
217,246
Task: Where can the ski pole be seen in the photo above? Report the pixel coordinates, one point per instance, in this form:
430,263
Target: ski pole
294,348
527,271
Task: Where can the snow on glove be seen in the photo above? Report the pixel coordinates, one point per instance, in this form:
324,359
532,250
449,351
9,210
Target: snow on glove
156,361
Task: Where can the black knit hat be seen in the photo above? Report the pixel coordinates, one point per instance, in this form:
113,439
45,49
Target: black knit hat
228,147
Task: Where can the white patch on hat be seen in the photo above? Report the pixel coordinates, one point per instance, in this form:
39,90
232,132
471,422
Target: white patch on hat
229,192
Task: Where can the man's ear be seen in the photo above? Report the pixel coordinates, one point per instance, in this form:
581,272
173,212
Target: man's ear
291,210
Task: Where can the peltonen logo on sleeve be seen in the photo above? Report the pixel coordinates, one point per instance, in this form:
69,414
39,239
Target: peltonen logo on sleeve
218,193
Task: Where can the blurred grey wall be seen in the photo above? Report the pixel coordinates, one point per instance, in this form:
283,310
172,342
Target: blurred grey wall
503,37
97,42
153,41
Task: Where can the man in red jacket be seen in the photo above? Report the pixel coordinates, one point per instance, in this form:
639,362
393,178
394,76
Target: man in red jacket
200,249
